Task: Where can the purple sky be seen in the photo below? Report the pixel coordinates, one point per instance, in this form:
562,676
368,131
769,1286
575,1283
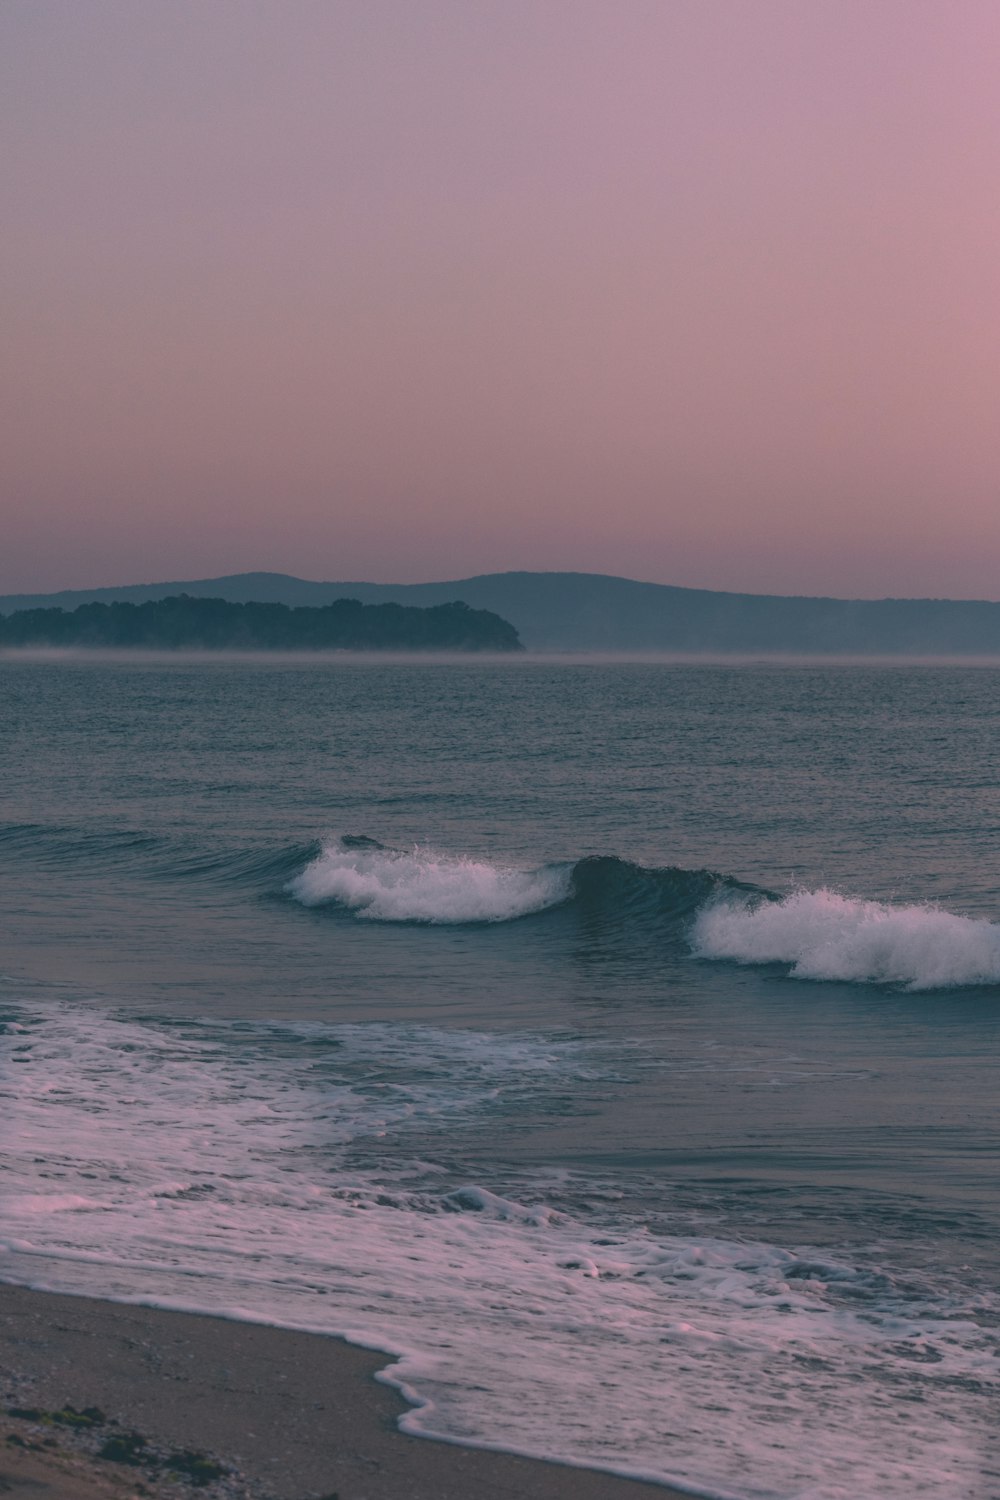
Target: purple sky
699,291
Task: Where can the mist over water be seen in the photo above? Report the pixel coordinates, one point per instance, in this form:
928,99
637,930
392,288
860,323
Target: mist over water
631,1025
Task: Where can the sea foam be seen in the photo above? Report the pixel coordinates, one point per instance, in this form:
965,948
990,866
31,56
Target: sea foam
421,885
824,935
241,1169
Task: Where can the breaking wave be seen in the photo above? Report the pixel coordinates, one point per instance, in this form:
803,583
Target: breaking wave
391,885
824,935
424,885
821,934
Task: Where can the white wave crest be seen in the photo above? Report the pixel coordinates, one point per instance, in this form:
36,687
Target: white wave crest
824,935
389,885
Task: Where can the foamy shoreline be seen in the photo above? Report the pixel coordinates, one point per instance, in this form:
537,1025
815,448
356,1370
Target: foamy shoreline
292,1416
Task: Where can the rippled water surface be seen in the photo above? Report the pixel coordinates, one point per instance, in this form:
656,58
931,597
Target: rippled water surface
614,1044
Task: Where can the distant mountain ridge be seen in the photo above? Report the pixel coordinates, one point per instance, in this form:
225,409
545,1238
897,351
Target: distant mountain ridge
600,612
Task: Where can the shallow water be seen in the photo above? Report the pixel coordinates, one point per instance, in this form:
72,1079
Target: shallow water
615,1043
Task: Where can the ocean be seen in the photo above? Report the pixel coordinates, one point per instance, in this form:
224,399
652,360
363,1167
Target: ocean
611,1043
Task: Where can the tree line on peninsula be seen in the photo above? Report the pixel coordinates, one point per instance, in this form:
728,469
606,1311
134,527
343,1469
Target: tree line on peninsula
181,622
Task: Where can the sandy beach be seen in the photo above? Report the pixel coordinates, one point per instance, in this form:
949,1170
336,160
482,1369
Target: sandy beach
285,1416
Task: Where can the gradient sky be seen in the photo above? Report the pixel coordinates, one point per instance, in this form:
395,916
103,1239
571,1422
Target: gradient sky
698,291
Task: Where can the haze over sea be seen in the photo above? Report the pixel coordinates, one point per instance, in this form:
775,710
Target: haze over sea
613,1044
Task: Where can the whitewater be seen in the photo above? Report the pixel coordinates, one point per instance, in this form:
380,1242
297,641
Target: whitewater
246,1202
424,886
628,1080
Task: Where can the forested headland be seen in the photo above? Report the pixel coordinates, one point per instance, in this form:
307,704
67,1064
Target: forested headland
185,623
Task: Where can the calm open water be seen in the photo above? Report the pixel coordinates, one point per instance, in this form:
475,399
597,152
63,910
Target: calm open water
613,1043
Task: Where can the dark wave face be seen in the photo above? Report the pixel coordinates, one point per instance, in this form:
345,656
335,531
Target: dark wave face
617,889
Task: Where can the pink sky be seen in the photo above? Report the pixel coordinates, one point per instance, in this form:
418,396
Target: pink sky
699,291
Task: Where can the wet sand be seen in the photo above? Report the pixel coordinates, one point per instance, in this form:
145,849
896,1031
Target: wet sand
290,1416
